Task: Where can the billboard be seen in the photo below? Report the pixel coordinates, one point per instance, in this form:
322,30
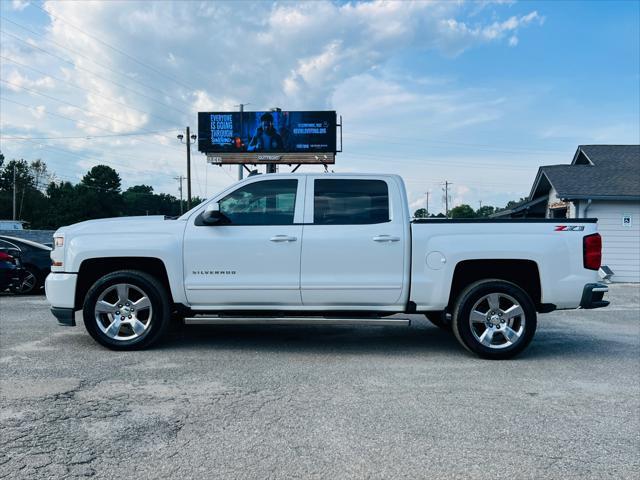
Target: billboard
268,137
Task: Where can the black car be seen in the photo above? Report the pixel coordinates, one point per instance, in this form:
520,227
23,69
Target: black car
10,271
36,263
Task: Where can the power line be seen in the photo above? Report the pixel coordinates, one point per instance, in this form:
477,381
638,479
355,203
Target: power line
87,57
110,163
85,137
404,141
82,109
96,75
77,120
443,163
116,49
75,85
102,161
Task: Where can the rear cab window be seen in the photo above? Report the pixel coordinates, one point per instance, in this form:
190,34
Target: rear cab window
350,202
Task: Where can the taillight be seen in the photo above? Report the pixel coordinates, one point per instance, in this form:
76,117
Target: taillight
592,251
4,257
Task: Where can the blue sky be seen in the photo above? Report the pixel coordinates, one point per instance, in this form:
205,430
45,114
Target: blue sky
476,93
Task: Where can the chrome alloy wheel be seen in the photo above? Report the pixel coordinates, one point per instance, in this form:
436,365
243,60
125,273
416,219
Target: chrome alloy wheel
497,320
123,312
27,282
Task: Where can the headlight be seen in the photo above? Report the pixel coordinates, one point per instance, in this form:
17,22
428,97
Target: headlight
58,241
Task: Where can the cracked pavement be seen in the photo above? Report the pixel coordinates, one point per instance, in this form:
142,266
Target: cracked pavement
321,402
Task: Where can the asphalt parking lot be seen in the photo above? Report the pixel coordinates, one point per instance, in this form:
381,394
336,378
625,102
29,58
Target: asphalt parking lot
329,402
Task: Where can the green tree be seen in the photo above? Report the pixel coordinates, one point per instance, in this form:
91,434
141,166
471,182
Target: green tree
102,177
485,211
29,200
420,213
99,193
462,211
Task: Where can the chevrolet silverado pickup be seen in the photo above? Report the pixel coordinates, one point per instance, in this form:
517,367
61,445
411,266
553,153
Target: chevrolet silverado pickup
330,249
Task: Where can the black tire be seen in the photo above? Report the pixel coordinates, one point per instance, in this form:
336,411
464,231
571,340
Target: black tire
30,282
503,348
440,319
158,318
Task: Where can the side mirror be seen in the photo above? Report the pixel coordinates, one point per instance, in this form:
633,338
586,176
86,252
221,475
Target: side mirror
213,216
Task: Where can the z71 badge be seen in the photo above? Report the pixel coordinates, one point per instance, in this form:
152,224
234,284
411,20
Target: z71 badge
569,228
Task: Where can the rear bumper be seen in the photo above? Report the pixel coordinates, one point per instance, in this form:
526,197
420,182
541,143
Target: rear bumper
592,296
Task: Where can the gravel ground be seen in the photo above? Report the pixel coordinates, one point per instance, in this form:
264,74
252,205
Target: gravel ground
311,402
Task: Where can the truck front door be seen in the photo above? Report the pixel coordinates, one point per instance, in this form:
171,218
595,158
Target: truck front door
254,260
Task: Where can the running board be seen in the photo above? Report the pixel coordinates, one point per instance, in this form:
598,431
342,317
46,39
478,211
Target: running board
216,320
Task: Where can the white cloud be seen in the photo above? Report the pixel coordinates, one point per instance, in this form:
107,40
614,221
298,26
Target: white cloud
19,5
182,57
18,82
38,111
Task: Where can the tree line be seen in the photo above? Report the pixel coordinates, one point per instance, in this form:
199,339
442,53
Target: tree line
45,202
466,211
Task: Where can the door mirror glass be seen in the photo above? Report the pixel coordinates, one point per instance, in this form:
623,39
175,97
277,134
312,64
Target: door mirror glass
213,216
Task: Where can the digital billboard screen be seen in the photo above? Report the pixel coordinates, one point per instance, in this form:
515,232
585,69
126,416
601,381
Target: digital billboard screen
276,132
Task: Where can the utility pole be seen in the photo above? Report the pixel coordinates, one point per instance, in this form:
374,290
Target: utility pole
188,171
428,193
180,178
189,140
14,190
446,198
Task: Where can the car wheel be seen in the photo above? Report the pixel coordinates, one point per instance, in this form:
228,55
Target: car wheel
440,319
494,319
126,310
29,282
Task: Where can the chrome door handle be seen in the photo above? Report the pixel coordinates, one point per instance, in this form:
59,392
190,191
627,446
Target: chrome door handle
386,238
282,238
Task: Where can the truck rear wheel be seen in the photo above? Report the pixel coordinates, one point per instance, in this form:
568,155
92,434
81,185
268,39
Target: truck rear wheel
494,319
126,310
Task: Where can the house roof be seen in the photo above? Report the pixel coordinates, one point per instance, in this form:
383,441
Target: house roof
597,172
618,156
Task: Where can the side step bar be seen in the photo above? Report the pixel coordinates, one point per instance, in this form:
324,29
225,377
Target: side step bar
216,320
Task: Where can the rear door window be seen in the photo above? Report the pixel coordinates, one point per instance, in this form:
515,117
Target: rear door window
350,202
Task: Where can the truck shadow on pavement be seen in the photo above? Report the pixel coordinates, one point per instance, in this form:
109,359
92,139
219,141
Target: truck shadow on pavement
311,339
419,339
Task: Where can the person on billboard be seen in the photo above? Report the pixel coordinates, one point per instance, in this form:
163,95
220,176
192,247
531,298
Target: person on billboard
266,138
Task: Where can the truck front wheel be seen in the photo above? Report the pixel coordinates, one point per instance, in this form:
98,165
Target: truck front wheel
494,319
126,310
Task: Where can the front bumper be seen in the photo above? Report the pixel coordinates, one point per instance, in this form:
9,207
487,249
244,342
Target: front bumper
65,316
592,296
61,292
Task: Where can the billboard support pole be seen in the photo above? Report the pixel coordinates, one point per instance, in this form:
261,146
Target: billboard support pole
240,169
188,170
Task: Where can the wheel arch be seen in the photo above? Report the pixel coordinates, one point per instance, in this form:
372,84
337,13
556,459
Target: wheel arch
92,269
523,273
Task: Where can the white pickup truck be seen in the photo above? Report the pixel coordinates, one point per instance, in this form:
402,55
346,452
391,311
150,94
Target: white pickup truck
322,249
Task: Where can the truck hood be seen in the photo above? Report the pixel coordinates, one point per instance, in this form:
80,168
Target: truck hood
145,223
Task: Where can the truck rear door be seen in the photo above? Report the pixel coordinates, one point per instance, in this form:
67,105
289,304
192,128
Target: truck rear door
354,240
